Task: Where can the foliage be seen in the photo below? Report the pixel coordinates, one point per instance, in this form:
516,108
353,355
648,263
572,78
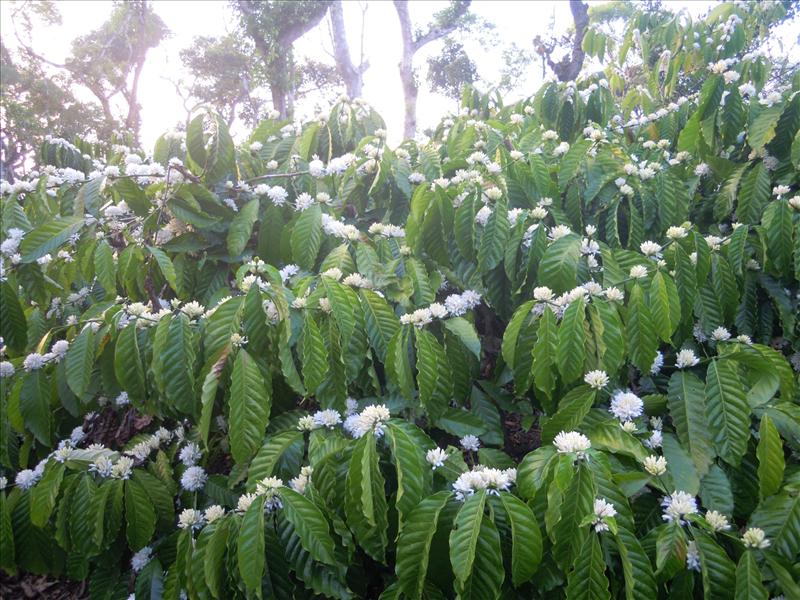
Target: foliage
244,371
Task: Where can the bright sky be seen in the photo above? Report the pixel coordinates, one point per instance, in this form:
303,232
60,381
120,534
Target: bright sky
162,108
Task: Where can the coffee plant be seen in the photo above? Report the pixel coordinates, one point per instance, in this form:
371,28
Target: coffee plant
551,352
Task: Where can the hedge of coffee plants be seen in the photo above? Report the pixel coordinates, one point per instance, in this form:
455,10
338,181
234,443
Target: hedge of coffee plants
551,352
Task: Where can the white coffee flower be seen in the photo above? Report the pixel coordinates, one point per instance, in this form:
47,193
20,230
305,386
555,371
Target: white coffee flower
614,294
692,556
244,502
755,537
717,521
780,190
602,510
543,294
436,457
655,440
372,418
33,362
190,519
572,442
327,418
658,362
677,232
6,369
596,379
655,465
123,468
214,513
677,506
686,358
190,454
306,423
26,479
638,272
650,248
141,558
626,405
470,443
720,334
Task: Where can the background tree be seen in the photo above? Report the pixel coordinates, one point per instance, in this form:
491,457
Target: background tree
454,17
274,27
34,104
108,61
451,69
351,74
225,73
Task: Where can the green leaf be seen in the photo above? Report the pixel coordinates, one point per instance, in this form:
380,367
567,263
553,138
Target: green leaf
310,525
464,536
727,409
166,266
213,558
398,363
640,584
493,240
568,535
465,331
771,463
178,358
572,409
570,163
306,237
544,354
486,579
777,221
45,493
686,401
748,579
315,354
571,345
671,547
587,580
526,539
779,517
659,308
414,543
413,472
269,455
128,363
641,335
250,403
717,569
381,322
558,269
250,546
79,361
242,227
434,377
47,238
13,326
140,516
365,498
34,405
762,129
105,268
533,470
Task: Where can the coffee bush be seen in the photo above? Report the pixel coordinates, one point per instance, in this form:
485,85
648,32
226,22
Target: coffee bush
550,352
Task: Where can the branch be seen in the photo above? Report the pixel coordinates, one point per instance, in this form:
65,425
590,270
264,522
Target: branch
438,31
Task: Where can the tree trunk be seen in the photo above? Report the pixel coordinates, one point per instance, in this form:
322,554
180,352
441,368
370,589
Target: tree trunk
570,67
350,74
410,91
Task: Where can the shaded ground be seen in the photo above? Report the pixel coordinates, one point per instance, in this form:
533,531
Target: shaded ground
40,586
